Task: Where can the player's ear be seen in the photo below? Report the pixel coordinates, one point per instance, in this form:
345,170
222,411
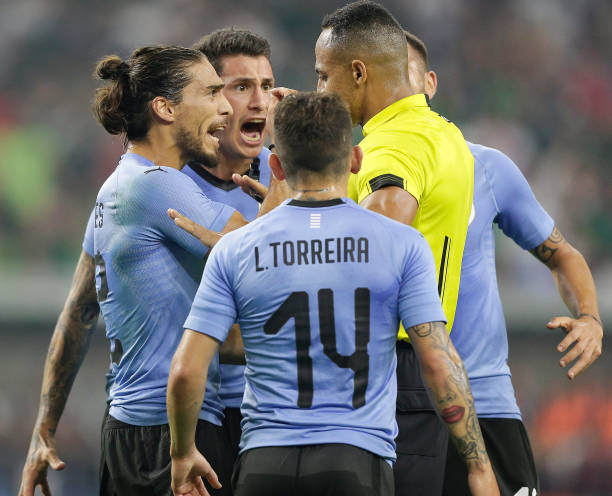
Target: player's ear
359,71
163,109
431,84
276,167
356,158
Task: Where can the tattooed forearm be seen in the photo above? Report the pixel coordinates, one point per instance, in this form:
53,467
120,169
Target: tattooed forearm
546,251
449,388
69,344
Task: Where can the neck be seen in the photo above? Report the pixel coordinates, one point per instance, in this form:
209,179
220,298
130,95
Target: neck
383,96
228,166
319,191
157,148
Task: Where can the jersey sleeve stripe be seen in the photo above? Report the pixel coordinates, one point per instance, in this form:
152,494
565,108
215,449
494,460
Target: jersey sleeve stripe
386,180
443,267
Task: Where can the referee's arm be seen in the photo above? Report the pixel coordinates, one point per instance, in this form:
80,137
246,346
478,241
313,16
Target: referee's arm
393,202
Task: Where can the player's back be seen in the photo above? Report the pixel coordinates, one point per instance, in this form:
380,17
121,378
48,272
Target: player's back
147,273
501,196
410,146
319,288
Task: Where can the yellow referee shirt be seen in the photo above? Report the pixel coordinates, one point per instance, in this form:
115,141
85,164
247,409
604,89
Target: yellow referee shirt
410,146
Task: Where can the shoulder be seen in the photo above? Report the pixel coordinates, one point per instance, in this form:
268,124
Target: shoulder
492,159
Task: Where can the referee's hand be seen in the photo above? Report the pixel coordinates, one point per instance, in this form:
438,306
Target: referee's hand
187,473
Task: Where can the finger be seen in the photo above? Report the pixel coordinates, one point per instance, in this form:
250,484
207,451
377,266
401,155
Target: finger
572,354
27,488
568,340
201,487
213,479
581,365
564,322
55,462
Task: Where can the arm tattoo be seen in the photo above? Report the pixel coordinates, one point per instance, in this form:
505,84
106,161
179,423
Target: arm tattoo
547,250
69,343
450,391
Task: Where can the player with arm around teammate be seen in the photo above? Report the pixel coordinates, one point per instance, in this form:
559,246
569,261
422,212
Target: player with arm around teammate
502,196
319,405
167,102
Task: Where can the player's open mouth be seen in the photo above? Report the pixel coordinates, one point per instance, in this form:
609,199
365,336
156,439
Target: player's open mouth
252,131
214,130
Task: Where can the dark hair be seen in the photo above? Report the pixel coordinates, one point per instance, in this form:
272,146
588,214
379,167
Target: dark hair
230,41
362,23
313,133
419,45
123,106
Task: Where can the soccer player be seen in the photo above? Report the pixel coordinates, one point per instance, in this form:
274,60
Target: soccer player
318,286
417,169
502,196
242,60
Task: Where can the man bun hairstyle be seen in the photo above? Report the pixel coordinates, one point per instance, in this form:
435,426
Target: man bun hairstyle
313,134
124,105
231,41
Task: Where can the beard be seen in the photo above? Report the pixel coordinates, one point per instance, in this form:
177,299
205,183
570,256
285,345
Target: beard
191,149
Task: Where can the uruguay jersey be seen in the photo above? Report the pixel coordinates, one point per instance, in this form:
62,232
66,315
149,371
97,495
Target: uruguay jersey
147,273
229,193
318,289
501,196
409,146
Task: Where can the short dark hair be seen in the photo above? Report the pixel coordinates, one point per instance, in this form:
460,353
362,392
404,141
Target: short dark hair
419,45
361,22
313,134
230,41
124,106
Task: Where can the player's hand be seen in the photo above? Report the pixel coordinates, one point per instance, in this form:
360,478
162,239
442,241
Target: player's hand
41,455
206,236
187,473
585,334
250,186
277,95
482,481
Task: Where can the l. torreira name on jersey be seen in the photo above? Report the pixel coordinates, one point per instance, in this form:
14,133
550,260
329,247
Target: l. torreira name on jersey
310,252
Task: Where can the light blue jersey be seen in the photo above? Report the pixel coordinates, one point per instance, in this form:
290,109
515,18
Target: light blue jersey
227,192
147,273
318,289
501,196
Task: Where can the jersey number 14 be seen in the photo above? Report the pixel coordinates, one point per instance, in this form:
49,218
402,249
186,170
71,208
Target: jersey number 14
296,306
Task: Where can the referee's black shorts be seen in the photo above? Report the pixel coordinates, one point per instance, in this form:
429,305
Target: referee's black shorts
423,438
138,457
313,470
510,454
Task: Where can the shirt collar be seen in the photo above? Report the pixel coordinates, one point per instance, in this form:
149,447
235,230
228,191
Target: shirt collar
388,113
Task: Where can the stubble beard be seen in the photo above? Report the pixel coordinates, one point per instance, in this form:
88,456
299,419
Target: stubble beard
191,149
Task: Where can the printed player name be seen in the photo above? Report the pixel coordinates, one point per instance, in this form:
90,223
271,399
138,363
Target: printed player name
311,252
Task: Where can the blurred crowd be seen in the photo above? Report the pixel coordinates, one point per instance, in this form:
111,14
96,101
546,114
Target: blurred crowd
533,78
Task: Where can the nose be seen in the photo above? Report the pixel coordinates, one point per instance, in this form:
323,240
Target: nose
258,100
224,107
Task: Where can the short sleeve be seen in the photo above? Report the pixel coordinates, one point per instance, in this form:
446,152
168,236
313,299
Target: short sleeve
520,216
88,238
390,167
419,301
164,188
214,309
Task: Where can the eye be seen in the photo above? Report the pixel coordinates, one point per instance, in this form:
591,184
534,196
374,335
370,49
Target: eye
266,87
241,87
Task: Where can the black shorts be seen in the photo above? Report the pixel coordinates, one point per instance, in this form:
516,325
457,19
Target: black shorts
510,454
423,438
106,486
138,457
320,470
231,427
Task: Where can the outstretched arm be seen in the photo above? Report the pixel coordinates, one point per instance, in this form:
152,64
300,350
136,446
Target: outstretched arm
67,350
577,288
186,386
447,382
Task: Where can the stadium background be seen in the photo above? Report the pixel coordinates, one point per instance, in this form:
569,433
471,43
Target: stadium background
533,78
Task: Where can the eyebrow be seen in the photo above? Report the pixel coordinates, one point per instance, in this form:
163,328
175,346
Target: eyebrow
214,87
249,80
